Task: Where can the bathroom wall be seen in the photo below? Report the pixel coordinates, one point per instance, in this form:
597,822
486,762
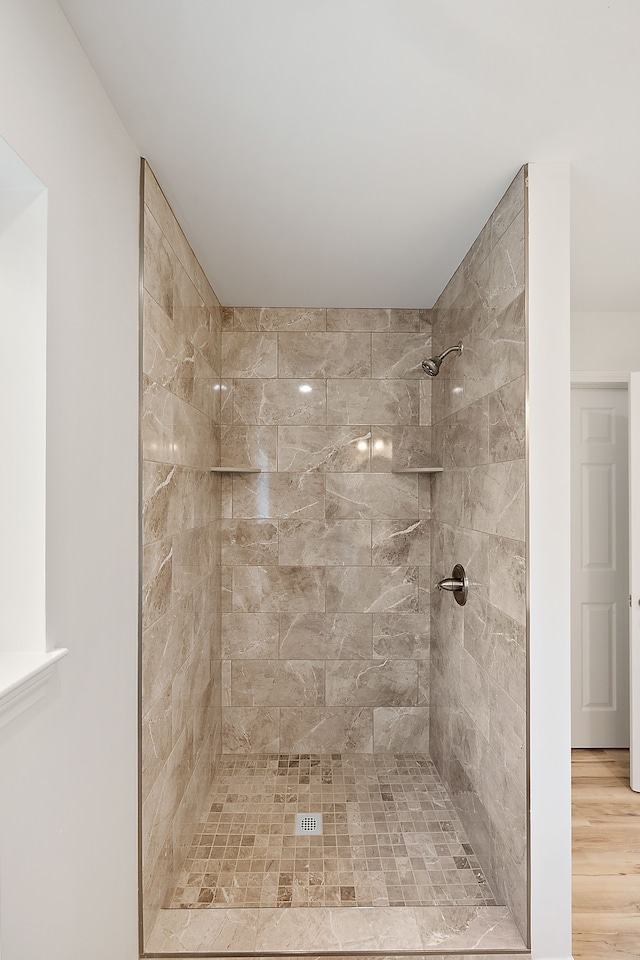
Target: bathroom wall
478,680
181,694
605,342
68,797
325,553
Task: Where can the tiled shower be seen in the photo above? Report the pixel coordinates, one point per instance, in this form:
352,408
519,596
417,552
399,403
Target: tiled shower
295,655
326,553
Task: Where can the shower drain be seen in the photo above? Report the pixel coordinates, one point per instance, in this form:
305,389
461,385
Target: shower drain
308,824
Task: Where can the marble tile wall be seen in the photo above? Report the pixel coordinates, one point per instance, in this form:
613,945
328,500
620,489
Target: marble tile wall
181,643
326,553
478,676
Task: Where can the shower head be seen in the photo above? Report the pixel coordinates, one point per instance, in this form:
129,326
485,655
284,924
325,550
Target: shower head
431,366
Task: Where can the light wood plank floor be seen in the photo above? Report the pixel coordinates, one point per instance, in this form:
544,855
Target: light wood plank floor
606,857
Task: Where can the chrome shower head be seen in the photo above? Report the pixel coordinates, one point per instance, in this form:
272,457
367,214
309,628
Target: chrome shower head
431,366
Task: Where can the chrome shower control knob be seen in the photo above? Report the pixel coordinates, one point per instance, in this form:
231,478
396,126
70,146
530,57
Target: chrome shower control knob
457,584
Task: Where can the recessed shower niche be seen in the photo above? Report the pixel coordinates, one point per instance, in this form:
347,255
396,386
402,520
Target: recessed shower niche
305,487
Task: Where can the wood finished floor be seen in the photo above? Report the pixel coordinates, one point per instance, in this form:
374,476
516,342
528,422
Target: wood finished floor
606,857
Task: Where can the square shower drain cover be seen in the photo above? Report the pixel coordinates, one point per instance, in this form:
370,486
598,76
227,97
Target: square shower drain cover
308,824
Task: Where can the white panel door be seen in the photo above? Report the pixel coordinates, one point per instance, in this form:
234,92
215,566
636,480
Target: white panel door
600,568
634,574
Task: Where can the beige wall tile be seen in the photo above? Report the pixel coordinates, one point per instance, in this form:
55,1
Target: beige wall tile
274,495
371,589
226,318
225,677
395,542
371,496
450,496
207,497
425,586
401,636
226,588
426,404
395,727
496,356
368,319
167,354
324,542
464,436
249,355
473,550
251,730
425,482
324,354
333,449
277,682
424,684
190,314
205,389
174,431
372,683
157,577
274,589
399,356
279,318
320,636
498,642
508,734
279,402
168,496
227,394
159,208
157,741
397,447
478,653
507,422
507,577
181,648
509,207
495,499
158,265
249,636
190,687
326,730
505,266
249,446
373,401
165,646
249,542
226,496
427,319
194,558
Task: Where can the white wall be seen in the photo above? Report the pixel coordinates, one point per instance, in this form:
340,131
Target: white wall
549,554
23,302
605,342
68,861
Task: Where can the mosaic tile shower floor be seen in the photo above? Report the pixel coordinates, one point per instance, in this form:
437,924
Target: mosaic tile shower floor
391,836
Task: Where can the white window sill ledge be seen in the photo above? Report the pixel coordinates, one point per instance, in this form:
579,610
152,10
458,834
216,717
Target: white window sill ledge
23,679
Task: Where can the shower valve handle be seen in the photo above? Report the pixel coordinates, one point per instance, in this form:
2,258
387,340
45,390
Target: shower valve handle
457,584
450,584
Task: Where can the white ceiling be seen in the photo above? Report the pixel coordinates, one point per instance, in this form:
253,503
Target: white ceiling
346,152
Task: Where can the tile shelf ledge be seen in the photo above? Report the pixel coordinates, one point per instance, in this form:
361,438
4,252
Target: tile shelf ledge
235,470
23,679
419,470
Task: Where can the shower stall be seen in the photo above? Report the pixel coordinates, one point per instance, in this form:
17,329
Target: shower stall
334,750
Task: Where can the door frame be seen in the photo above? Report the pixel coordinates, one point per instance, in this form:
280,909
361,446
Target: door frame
617,380
605,380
